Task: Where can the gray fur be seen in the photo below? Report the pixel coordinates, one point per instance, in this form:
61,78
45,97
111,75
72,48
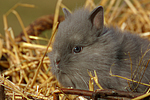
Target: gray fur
111,49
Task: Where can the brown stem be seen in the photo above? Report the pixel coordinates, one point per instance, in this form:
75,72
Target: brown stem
38,26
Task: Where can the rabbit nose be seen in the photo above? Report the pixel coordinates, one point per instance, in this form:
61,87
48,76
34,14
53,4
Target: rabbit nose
57,61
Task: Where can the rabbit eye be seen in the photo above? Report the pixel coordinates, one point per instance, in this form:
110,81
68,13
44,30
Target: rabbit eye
77,49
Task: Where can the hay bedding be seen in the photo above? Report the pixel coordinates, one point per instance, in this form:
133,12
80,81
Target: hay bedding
25,68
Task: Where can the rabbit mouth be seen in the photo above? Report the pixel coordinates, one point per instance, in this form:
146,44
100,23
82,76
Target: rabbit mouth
58,71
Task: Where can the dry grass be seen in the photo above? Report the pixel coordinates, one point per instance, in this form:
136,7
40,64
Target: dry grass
28,71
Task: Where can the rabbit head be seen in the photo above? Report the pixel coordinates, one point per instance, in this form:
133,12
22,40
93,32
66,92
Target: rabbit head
81,45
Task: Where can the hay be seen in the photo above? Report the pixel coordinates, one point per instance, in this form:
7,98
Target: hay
27,74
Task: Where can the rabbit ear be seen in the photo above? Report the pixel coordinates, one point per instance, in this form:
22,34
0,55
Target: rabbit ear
66,12
97,18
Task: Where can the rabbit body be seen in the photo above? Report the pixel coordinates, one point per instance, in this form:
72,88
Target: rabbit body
83,44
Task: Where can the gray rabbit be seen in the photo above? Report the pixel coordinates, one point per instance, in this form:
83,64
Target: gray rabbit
84,44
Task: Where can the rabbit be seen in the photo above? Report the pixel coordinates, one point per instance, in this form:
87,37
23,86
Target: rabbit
84,44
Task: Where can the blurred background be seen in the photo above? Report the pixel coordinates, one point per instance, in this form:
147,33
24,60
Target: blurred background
28,15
